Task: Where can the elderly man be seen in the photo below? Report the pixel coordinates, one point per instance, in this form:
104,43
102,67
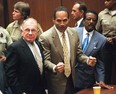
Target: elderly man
24,65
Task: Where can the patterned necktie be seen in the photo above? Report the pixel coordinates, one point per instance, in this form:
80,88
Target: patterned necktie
67,69
85,43
37,58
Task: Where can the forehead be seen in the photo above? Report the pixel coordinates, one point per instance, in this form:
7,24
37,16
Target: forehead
61,14
77,6
30,24
16,10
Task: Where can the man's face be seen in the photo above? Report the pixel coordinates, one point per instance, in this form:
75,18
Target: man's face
30,31
61,21
110,3
76,13
17,15
90,21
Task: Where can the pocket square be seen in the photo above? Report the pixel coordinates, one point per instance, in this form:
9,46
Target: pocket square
95,47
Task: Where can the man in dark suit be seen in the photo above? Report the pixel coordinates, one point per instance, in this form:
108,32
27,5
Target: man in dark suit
24,69
52,41
78,10
86,76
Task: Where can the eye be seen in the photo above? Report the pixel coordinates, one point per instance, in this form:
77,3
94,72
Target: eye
58,20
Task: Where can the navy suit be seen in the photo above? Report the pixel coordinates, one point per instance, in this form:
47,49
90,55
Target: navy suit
81,24
22,71
86,75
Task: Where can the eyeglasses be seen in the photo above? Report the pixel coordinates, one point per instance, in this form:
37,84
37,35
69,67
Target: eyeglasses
32,30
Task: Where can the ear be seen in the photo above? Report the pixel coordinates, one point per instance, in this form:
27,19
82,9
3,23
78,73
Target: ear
82,12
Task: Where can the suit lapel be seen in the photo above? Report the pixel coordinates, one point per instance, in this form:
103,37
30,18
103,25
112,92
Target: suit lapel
92,44
57,43
25,49
71,41
81,35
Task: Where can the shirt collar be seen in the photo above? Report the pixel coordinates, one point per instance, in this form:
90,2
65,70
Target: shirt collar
90,33
16,24
59,33
79,22
107,11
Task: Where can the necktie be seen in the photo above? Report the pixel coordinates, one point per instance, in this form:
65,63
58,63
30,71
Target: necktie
85,43
67,70
37,58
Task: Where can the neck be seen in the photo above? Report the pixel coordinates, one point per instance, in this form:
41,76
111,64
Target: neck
20,21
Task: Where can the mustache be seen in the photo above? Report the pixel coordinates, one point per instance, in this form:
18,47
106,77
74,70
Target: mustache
91,24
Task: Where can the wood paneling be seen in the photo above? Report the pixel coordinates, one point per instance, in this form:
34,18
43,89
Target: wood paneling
96,5
1,13
42,10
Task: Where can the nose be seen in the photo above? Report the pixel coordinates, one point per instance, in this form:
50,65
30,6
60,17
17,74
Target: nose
72,13
13,12
30,32
62,23
91,20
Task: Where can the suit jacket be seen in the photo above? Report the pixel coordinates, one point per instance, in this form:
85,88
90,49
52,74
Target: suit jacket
81,24
53,53
86,75
22,70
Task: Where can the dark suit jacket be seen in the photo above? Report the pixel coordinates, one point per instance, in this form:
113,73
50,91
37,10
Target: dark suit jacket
53,53
86,75
22,70
81,24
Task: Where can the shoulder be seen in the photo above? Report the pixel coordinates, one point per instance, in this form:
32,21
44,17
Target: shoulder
12,24
4,31
48,33
103,12
100,36
79,29
18,43
73,32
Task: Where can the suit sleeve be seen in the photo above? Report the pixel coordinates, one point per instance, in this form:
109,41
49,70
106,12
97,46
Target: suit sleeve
100,70
46,51
11,65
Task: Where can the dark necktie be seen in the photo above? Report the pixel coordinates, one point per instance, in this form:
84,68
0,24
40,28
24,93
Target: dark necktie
67,69
85,43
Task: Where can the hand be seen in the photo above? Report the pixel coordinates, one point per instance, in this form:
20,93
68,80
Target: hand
2,58
59,67
102,84
110,40
91,61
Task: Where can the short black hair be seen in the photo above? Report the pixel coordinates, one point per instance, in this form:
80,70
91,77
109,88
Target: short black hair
90,11
60,8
